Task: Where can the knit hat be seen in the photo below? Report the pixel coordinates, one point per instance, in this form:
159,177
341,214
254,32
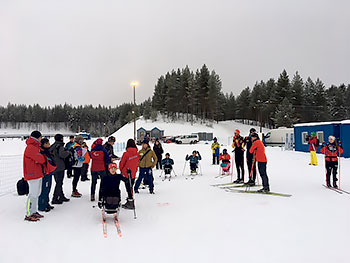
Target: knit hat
112,165
111,139
145,141
36,134
237,131
313,133
99,141
59,137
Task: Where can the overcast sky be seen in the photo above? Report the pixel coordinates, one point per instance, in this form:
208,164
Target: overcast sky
88,52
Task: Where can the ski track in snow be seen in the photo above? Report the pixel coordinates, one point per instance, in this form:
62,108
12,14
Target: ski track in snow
191,221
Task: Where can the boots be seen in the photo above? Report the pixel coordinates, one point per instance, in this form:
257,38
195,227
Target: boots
250,183
129,204
92,199
76,194
264,190
237,181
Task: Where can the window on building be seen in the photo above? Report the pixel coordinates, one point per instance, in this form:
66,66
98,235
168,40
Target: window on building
320,136
304,135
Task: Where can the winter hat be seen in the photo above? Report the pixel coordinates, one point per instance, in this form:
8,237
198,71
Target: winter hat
237,131
167,154
36,134
224,151
215,139
99,141
79,139
255,135
313,133
145,141
112,165
331,138
252,130
59,137
111,139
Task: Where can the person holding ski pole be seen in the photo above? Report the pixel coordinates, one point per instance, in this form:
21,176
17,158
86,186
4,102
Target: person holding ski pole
225,162
332,151
258,149
215,146
250,162
194,161
167,164
314,143
238,149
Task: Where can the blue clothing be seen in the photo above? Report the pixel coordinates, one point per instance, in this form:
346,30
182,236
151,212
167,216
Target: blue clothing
69,145
194,160
45,191
145,172
167,161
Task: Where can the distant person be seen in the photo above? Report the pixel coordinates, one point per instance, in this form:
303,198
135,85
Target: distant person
79,153
251,164
109,146
128,166
148,160
167,163
258,149
85,168
158,150
225,162
332,151
215,146
49,168
314,143
68,147
33,162
100,160
238,149
60,154
194,161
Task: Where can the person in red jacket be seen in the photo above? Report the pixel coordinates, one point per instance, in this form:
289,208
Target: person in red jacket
258,149
33,162
314,143
331,150
225,162
128,166
100,160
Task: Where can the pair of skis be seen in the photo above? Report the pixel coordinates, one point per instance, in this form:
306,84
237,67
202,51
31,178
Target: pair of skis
116,223
338,190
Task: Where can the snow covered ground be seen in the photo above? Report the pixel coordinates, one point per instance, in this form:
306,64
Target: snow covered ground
192,221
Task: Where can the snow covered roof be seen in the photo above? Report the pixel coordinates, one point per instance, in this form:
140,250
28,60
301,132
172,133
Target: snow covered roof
321,123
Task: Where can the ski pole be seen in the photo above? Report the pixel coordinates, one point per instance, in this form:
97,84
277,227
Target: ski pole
183,171
161,173
339,167
132,192
200,168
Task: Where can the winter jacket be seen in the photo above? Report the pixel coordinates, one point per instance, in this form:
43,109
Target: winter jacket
248,142
79,153
69,145
150,160
110,151
110,186
314,143
225,158
100,158
49,165
331,151
167,161
215,146
259,149
194,159
33,160
130,160
87,155
59,155
238,143
158,149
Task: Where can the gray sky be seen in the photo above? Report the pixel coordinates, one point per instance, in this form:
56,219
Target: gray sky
88,52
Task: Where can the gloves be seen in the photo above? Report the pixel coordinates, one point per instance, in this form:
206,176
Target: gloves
99,204
324,144
339,144
81,158
186,156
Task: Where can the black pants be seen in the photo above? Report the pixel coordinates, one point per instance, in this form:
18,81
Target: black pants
84,171
159,162
129,187
94,176
193,167
239,160
252,175
77,173
332,168
167,169
58,192
69,172
263,174
215,159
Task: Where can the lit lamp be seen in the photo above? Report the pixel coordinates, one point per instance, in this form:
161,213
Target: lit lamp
133,85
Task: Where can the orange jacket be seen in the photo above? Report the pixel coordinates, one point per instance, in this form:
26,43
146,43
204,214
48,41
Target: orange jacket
87,156
259,149
225,158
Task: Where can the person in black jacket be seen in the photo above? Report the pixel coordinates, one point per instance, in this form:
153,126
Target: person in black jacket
238,149
109,195
250,162
110,150
158,150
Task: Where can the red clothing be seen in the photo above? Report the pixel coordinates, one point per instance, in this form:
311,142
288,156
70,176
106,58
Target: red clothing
225,158
331,151
99,157
130,160
33,160
259,149
48,167
314,142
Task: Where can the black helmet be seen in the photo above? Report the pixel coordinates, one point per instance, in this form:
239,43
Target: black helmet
224,151
252,130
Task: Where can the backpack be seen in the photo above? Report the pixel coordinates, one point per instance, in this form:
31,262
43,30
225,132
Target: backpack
22,187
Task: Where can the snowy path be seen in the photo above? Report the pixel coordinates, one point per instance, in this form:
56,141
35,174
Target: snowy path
191,221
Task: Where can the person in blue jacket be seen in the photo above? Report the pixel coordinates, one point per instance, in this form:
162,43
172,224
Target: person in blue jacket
167,164
194,160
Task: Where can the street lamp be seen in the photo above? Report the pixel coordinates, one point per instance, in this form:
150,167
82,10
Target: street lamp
134,84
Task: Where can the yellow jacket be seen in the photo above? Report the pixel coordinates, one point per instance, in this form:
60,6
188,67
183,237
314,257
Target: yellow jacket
215,145
150,160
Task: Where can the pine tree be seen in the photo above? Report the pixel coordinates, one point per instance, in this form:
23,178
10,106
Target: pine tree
283,87
285,116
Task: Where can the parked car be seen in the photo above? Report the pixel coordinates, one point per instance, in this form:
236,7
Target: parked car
187,139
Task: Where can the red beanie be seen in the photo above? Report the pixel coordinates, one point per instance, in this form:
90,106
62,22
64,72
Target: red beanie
237,131
99,141
112,165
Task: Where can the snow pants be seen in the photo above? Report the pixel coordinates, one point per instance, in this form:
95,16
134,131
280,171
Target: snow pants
252,173
332,169
159,162
145,173
129,187
215,158
45,191
193,167
58,192
225,167
263,174
94,176
33,196
167,169
239,159
84,171
313,158
76,176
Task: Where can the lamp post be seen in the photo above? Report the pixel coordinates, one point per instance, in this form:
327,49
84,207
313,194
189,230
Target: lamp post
134,84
